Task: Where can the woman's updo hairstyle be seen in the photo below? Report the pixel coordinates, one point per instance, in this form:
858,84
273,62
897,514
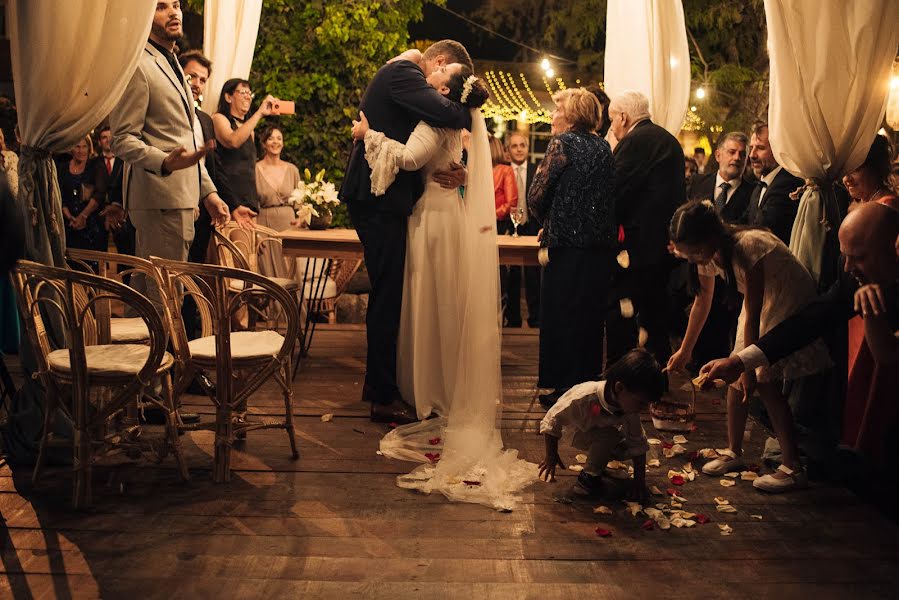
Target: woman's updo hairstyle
697,223
477,94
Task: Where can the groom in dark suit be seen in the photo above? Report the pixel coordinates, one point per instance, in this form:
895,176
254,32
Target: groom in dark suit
397,98
770,204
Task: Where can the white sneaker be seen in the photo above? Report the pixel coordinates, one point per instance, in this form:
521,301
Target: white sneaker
796,480
727,461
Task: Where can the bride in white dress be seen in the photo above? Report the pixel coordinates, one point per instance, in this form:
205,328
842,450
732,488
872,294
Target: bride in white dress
448,351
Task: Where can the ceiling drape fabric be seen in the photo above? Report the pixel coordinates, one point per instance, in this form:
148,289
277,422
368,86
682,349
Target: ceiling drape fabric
229,39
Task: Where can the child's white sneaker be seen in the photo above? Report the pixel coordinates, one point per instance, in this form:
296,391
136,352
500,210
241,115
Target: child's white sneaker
726,462
794,480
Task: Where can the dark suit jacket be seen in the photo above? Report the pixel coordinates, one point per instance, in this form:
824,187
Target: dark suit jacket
397,98
112,182
649,172
777,211
735,210
804,327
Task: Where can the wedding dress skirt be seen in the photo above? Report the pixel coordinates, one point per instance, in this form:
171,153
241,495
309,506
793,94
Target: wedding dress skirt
450,330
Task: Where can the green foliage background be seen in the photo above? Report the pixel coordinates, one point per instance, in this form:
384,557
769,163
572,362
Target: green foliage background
322,54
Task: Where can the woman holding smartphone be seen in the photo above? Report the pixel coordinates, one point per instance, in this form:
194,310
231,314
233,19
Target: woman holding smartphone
236,145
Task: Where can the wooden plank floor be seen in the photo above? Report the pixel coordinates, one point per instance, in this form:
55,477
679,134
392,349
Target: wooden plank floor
334,525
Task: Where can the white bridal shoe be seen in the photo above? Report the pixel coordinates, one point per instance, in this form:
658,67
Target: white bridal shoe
795,480
727,461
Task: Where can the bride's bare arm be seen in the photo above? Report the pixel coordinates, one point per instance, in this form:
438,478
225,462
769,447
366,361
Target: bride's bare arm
412,55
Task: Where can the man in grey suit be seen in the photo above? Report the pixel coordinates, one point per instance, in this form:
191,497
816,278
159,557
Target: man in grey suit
153,133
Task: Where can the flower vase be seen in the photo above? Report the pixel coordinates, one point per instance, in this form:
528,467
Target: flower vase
323,220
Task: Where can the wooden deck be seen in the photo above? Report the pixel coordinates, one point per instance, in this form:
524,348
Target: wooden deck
334,525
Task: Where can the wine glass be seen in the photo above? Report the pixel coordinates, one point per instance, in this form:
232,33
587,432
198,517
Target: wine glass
517,215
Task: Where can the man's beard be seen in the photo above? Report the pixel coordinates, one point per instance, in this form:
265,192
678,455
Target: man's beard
163,33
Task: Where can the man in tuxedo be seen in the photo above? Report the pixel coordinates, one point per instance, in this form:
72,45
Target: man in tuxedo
867,242
649,171
397,98
197,69
518,147
153,133
770,204
730,195
116,220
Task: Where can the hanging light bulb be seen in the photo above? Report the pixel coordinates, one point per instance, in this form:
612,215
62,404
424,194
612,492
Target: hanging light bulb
544,64
700,93
550,73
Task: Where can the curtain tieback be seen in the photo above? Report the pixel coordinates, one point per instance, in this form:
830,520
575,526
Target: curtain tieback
815,184
35,153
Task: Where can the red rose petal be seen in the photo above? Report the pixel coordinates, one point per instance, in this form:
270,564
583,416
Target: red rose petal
648,525
434,441
693,427
693,455
393,425
432,457
677,480
471,482
594,410
671,492
667,445
603,532
701,519
621,234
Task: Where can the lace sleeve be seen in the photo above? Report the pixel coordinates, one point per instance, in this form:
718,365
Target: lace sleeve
386,157
540,192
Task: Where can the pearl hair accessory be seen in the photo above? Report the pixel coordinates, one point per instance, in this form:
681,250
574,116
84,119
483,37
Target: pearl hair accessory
466,88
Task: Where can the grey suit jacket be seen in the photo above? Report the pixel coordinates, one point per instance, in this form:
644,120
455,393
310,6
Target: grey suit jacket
155,116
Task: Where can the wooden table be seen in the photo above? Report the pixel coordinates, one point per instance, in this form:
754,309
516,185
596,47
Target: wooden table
344,243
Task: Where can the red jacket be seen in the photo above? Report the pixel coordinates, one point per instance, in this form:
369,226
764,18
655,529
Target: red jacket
505,190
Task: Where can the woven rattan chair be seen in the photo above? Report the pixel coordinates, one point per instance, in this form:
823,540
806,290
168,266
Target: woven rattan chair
118,374
242,360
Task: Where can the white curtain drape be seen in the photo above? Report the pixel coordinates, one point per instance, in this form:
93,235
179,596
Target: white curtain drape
646,51
830,70
71,61
229,39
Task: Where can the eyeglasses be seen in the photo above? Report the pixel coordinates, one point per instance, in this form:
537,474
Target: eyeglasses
246,93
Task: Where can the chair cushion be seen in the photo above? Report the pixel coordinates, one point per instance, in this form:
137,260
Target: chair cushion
329,292
244,344
109,359
311,266
237,285
128,330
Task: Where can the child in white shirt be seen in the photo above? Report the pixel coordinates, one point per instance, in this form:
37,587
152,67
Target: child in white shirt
605,417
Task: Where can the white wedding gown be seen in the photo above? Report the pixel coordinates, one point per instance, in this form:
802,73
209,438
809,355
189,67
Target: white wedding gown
448,351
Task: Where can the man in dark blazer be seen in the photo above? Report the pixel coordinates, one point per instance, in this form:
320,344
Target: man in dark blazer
197,69
397,98
770,204
111,170
649,172
523,169
729,193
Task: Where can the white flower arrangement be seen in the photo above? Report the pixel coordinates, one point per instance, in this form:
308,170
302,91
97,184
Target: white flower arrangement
466,88
312,197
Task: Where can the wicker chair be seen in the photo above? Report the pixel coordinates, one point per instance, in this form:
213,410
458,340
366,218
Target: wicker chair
120,373
242,360
340,273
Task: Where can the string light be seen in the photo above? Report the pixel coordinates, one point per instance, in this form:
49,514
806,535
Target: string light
700,93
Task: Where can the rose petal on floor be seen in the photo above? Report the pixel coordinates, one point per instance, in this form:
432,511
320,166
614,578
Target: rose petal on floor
679,439
757,517
433,457
677,480
327,417
653,462
655,491
725,508
634,508
648,525
702,519
748,475
602,510
654,441
581,458
434,441
725,528
732,474
576,468
603,532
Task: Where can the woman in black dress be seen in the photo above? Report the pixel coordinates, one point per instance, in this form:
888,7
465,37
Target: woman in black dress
236,145
81,186
573,195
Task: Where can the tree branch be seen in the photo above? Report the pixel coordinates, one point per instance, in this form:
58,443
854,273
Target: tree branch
705,65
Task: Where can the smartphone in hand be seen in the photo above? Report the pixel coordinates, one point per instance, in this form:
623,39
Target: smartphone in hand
283,107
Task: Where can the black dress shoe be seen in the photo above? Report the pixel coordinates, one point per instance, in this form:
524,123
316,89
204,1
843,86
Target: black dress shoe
198,384
189,418
394,412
